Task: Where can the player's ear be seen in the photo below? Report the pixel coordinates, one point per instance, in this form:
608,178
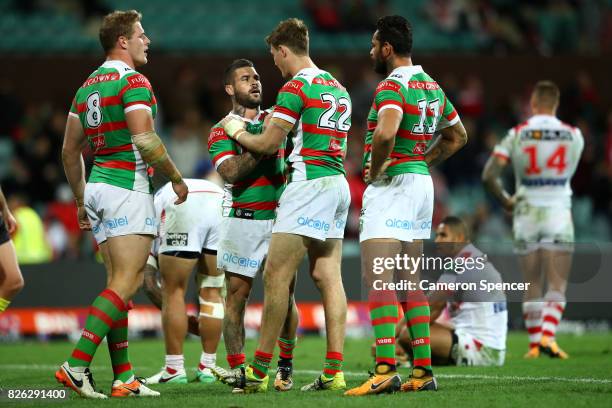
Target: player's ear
123,42
283,50
229,89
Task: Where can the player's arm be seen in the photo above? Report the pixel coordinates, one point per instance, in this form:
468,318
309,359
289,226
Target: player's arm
153,151
74,166
266,143
449,141
383,141
237,167
7,216
491,178
436,308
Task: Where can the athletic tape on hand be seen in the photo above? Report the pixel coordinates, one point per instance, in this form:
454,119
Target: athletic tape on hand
233,125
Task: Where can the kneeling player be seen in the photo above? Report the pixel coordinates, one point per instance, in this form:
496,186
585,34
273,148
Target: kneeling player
188,237
478,336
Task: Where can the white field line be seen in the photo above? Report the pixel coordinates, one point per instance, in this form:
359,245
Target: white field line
52,368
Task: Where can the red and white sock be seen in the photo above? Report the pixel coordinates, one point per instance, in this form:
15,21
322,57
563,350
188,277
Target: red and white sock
532,314
207,360
552,313
175,363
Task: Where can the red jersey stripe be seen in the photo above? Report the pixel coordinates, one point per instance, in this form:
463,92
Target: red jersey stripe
309,128
116,164
115,149
106,127
406,134
262,205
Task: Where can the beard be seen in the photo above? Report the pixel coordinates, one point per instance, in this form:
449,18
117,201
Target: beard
248,100
380,66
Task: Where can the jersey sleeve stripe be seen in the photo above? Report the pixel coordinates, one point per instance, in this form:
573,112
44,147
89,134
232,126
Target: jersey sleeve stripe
74,115
137,106
390,105
284,116
501,155
221,157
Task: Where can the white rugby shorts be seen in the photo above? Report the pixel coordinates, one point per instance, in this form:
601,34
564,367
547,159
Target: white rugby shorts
243,245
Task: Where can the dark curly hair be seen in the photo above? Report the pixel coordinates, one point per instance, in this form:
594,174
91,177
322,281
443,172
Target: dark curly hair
396,31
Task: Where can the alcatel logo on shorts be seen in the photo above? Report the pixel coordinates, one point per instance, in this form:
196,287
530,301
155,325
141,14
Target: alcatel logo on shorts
116,222
241,261
407,225
312,223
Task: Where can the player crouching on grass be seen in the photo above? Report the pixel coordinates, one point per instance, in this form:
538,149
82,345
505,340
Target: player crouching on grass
544,153
479,319
188,238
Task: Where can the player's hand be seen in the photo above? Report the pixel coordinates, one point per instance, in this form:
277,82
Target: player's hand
367,177
181,191
509,204
9,221
83,219
232,124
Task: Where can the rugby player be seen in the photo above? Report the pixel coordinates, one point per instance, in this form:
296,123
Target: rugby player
544,153
253,184
479,318
409,108
113,111
10,274
313,208
188,238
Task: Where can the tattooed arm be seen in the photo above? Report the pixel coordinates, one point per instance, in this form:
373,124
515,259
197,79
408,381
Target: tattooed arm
492,181
237,167
451,139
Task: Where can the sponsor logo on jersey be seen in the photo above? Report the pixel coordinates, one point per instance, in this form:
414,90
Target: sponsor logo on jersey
314,224
543,182
101,78
98,142
426,85
407,224
545,134
419,148
242,213
116,222
177,239
241,260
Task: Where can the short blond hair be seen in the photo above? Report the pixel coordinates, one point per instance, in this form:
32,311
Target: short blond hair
546,93
292,33
117,24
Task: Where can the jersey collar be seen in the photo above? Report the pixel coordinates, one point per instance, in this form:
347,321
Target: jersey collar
118,65
407,69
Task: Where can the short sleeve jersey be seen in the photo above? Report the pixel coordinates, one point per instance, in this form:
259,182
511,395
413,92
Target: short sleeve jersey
545,153
320,108
425,110
101,104
256,195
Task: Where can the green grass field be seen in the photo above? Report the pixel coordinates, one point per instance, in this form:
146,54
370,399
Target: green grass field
583,380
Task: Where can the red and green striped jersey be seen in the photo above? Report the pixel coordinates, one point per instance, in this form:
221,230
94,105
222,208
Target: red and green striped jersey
320,108
425,109
256,195
101,103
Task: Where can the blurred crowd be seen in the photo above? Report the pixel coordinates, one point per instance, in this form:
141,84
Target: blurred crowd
32,177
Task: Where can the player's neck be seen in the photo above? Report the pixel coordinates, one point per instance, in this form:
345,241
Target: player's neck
547,112
299,64
398,62
119,56
246,113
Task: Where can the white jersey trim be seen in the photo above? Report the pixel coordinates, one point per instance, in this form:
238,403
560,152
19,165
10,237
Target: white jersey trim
137,107
74,115
391,106
221,160
284,117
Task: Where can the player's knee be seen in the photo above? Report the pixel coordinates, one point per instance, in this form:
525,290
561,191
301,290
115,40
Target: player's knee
212,310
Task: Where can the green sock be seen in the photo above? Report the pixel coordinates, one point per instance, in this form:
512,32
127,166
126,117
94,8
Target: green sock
417,320
261,364
106,308
384,315
117,339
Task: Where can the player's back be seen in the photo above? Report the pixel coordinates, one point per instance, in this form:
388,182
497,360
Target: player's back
101,104
425,110
322,108
545,153
198,189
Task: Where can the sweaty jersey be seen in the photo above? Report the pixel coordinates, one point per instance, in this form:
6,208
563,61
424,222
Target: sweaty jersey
101,103
320,109
545,153
425,110
256,195
481,314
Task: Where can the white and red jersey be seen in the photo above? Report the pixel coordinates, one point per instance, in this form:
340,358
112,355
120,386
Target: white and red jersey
545,153
481,314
